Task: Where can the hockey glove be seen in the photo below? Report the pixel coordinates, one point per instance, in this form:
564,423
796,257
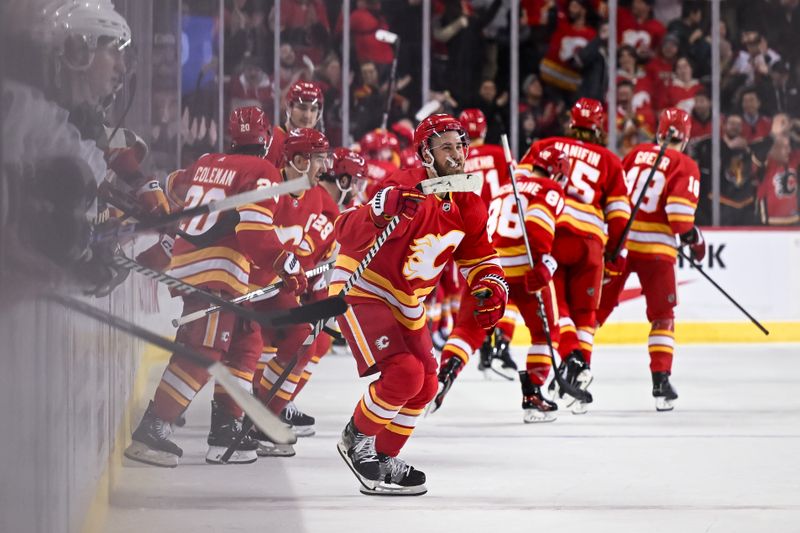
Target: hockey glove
616,267
696,243
491,291
288,268
158,256
393,202
538,278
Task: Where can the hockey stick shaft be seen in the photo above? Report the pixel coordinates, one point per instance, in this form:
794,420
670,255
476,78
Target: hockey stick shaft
569,389
260,415
662,150
392,86
325,308
191,317
696,266
226,204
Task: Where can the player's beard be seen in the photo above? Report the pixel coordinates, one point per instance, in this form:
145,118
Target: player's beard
447,169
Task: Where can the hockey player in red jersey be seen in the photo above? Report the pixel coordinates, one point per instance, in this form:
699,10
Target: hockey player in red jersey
542,197
385,325
596,198
306,229
335,189
225,250
381,150
304,102
666,212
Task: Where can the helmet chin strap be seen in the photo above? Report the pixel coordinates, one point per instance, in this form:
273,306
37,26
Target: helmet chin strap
303,173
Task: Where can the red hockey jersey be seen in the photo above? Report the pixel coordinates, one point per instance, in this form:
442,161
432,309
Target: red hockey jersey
596,195
229,248
408,266
488,162
377,172
669,202
777,194
275,151
542,201
556,68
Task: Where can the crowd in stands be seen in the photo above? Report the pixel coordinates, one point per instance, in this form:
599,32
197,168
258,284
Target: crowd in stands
663,59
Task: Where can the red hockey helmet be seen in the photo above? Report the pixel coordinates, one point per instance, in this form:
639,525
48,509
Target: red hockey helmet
474,122
404,131
247,126
554,162
434,126
674,123
377,140
305,142
588,114
304,92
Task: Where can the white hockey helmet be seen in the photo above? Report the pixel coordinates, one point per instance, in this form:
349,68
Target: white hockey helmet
73,28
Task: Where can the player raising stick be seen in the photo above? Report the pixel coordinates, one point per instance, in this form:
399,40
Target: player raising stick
667,210
386,323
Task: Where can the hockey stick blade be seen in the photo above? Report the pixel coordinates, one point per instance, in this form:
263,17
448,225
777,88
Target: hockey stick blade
260,415
226,204
453,183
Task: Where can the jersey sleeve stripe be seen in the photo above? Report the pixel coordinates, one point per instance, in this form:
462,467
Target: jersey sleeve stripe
618,205
679,209
681,200
547,225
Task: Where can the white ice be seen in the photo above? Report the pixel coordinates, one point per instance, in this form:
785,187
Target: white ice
726,460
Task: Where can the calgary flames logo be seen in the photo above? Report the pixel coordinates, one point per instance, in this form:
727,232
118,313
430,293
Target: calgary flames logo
425,251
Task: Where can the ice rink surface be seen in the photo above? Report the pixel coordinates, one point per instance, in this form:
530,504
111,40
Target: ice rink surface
726,460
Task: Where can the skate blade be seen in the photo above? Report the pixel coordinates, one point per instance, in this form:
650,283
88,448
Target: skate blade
534,416
505,373
366,484
663,404
141,453
583,384
304,431
270,449
579,408
390,489
486,372
239,457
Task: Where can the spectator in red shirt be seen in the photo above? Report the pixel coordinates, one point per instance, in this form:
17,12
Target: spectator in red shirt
701,119
365,20
572,33
639,29
660,68
755,126
634,126
630,70
304,23
680,93
251,86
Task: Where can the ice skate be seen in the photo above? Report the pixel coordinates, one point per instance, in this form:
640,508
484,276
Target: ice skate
268,448
358,451
302,424
150,442
397,478
501,362
447,375
663,392
536,408
225,430
577,373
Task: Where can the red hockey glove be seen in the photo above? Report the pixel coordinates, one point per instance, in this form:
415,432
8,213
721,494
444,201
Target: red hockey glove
393,202
288,268
538,278
158,256
697,244
491,291
615,268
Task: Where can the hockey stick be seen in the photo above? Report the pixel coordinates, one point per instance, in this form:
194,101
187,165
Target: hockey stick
311,313
351,281
638,204
214,206
697,266
260,415
388,37
250,296
575,392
